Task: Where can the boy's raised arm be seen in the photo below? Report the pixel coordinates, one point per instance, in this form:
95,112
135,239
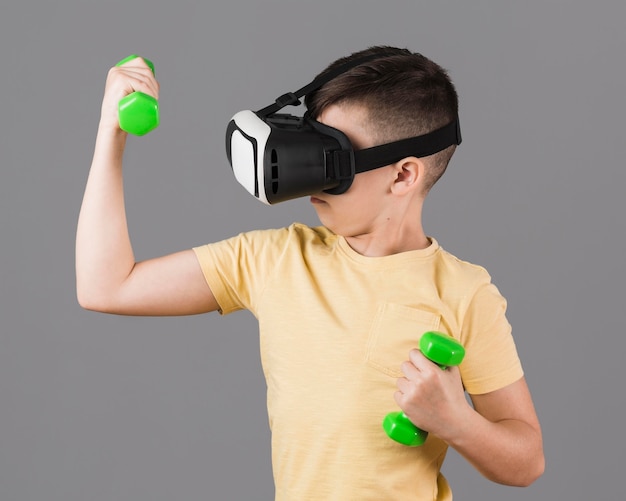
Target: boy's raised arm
107,277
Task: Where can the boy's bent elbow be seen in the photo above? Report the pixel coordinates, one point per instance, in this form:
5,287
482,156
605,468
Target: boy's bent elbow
536,466
534,473
90,302
525,476
94,299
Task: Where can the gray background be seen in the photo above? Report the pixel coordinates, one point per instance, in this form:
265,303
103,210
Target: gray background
96,407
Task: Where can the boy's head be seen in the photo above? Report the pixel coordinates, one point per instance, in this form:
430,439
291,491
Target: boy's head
404,94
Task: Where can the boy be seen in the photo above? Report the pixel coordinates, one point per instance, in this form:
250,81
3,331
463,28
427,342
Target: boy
341,306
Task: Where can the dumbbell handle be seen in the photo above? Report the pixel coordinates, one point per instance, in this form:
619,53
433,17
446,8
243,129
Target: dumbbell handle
441,349
138,112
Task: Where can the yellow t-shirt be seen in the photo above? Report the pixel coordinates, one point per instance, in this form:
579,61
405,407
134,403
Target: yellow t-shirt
335,327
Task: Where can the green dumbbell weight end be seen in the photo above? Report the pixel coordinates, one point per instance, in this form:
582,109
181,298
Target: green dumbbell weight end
138,112
443,350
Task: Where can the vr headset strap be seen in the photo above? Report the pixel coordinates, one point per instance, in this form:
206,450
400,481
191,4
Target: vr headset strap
420,146
293,98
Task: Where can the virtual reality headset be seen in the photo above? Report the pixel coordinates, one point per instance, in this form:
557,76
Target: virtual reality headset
278,157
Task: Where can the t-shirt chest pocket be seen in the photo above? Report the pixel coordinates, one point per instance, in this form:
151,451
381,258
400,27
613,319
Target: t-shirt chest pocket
395,332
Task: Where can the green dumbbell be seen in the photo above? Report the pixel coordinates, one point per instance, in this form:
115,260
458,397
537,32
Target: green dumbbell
443,350
138,112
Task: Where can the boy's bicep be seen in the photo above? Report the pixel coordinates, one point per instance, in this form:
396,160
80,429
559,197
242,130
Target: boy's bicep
168,285
511,402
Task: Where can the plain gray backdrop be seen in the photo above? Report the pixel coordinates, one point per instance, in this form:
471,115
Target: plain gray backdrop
97,407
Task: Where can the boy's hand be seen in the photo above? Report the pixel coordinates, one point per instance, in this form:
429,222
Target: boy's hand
134,75
432,398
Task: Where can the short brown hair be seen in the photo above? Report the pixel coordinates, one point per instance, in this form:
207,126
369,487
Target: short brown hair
405,95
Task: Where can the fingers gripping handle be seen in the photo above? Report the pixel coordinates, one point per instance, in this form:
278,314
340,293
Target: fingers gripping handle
138,112
443,350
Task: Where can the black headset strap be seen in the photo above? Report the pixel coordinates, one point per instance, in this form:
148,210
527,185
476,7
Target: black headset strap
420,146
293,98
384,154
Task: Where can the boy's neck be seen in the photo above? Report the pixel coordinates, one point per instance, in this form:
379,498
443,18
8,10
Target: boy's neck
388,241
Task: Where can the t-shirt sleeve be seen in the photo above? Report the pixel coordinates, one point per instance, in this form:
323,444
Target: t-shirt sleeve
238,268
491,360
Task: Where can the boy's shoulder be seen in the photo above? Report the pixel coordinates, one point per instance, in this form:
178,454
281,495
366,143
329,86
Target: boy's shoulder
268,242
454,260
457,265
294,232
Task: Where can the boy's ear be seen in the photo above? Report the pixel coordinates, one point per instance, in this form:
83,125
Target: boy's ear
409,175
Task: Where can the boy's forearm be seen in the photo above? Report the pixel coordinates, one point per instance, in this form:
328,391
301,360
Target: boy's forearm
507,452
104,255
